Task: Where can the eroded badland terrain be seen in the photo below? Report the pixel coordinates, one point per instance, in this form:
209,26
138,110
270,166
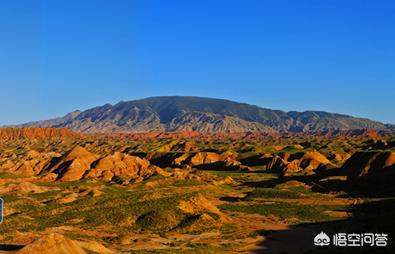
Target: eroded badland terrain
189,193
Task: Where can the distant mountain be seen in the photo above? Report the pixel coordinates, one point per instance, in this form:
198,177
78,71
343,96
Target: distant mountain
180,113
391,127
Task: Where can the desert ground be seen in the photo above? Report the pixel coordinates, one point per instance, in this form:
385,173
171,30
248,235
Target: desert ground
192,193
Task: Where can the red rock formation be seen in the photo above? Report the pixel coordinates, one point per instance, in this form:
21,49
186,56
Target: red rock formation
78,163
122,165
341,156
52,244
73,165
33,163
205,158
312,160
370,164
36,133
285,162
189,135
277,164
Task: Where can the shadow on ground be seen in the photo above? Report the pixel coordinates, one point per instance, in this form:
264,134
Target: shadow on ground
10,247
375,215
370,217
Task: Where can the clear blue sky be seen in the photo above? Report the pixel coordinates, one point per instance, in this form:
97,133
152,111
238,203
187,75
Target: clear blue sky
332,55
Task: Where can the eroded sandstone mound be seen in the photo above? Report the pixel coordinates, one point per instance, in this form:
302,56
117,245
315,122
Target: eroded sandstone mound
312,160
24,187
33,163
341,156
122,165
78,163
52,244
372,166
288,163
73,165
210,160
202,213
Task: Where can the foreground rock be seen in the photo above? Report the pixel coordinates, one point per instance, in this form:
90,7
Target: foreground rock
52,244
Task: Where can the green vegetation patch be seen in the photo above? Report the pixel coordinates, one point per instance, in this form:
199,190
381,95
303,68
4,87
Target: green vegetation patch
284,211
164,220
6,175
118,206
272,193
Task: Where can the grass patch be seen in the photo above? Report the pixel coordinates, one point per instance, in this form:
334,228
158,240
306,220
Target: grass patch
272,193
243,176
159,220
72,184
45,195
117,205
5,175
9,198
283,211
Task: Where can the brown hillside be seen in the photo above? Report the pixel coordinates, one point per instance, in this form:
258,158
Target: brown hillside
122,165
374,165
36,133
33,164
52,244
285,162
73,164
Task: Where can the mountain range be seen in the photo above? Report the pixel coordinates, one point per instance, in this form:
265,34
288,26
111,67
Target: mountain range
186,113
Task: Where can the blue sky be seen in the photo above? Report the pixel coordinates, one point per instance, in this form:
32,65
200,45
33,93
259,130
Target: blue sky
334,55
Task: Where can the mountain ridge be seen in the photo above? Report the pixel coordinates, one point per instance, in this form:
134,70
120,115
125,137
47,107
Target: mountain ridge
190,113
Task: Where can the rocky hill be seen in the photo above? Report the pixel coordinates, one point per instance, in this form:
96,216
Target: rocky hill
179,113
36,133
